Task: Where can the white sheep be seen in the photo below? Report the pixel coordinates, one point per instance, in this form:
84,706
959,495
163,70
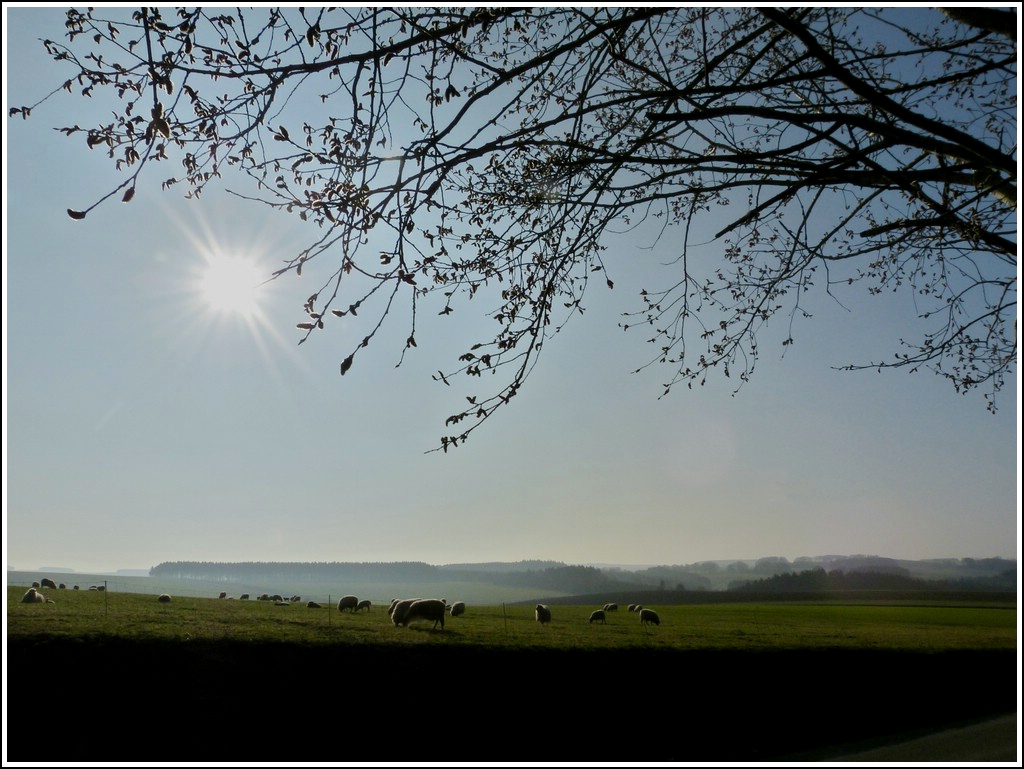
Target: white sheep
611,607
349,602
163,598
34,596
47,582
457,609
542,613
423,609
597,616
399,608
649,615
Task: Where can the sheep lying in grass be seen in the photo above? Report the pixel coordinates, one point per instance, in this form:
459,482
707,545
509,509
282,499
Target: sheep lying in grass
649,615
597,616
419,609
313,605
542,613
163,598
349,602
457,609
34,596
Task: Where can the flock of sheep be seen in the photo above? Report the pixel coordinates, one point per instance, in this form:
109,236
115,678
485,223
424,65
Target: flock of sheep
647,616
401,611
35,595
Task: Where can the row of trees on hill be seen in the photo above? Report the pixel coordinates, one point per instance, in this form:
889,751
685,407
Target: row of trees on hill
765,574
295,571
819,580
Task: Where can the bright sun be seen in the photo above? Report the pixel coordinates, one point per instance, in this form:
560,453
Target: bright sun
232,284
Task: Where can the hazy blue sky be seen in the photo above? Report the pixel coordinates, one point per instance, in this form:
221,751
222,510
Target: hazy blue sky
141,425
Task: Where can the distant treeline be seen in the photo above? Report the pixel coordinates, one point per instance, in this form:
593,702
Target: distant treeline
575,579
766,574
300,571
819,580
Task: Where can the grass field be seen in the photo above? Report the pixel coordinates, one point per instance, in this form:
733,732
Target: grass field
133,616
204,679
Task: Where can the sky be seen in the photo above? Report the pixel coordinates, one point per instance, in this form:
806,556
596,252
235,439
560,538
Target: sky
144,423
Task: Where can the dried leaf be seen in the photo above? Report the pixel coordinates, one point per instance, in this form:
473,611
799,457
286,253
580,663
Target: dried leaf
346,365
76,214
128,195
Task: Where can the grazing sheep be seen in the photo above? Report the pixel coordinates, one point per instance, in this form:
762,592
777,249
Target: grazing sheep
163,598
349,602
296,598
276,598
543,614
101,588
649,615
399,608
34,596
597,616
75,587
47,582
457,609
243,597
263,597
62,586
631,607
364,604
313,605
395,602
223,595
35,584
424,608
611,607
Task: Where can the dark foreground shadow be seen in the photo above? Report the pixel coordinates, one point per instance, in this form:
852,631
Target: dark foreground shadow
195,701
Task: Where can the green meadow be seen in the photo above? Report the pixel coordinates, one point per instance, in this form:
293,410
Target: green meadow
731,626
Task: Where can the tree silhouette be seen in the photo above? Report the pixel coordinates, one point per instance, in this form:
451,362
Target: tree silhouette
453,154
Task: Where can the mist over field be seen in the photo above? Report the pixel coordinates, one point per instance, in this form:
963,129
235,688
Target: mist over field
522,581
